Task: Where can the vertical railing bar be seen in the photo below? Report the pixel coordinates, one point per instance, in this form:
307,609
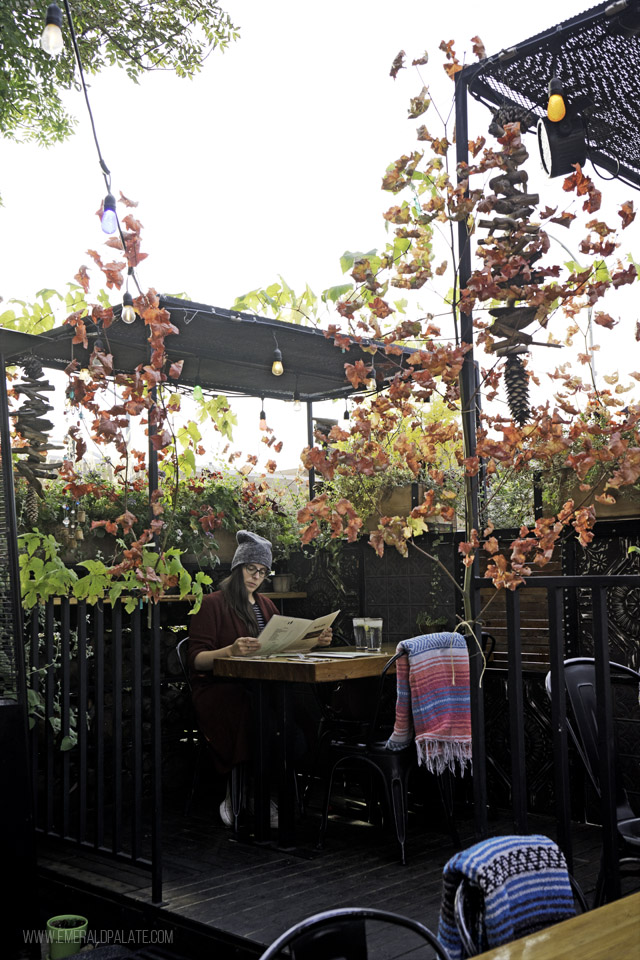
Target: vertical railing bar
49,779
34,663
156,756
136,735
116,726
604,718
555,601
65,706
98,668
83,773
516,712
478,740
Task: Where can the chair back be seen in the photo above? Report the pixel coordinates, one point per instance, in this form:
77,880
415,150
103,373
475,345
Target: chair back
341,935
580,681
383,710
181,650
469,914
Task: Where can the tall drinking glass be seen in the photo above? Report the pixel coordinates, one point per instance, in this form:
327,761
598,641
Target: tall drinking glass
359,633
373,630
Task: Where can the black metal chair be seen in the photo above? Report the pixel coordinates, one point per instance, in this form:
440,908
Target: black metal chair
469,915
580,682
341,935
237,773
366,747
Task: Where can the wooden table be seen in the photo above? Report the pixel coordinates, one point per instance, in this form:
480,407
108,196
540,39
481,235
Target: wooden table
279,673
611,932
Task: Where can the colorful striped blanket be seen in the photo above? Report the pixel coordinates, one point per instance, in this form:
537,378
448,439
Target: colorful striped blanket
525,885
432,704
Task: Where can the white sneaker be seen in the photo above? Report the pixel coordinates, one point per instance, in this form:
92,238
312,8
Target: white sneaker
226,811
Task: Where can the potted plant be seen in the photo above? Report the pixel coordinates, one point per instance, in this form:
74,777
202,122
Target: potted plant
66,935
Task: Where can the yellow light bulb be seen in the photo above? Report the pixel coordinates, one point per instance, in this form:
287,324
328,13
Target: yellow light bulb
556,109
263,424
276,368
51,40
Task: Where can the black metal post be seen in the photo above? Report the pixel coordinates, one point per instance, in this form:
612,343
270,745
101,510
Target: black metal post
604,711
156,680
516,714
16,797
559,723
312,473
468,404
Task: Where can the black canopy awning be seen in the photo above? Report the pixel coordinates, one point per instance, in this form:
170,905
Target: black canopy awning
222,350
596,55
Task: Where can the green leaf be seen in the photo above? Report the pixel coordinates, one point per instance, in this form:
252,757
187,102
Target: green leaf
334,293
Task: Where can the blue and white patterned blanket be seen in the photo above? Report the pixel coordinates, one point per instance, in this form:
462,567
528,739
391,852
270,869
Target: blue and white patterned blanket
523,880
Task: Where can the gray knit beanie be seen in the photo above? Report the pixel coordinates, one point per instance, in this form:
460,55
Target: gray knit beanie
251,548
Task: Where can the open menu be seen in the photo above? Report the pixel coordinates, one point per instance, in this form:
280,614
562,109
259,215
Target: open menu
291,634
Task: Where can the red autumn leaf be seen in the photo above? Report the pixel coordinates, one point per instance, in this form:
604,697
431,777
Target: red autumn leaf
161,440
83,278
565,219
420,62
126,201
113,274
397,64
478,48
604,320
80,335
357,373
271,466
627,213
419,104
176,369
311,532
380,308
71,367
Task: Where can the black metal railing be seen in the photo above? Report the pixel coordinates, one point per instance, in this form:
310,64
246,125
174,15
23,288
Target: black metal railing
559,590
95,729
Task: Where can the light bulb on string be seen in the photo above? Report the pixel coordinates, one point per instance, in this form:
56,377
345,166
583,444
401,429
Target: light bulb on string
556,107
276,367
128,312
109,220
51,40
297,406
263,417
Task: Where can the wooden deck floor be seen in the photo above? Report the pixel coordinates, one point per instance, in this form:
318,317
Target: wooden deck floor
249,894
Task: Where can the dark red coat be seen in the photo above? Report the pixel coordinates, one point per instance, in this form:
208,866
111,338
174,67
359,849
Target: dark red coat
223,707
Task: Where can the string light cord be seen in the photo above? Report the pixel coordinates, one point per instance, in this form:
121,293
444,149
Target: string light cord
103,166
106,173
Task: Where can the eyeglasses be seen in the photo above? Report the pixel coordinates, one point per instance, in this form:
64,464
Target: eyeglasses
260,571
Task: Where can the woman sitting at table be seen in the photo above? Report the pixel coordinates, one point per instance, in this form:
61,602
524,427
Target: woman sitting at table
227,625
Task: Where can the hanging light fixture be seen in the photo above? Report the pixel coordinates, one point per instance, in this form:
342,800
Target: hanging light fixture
556,107
297,406
263,416
109,219
276,367
51,40
561,135
128,312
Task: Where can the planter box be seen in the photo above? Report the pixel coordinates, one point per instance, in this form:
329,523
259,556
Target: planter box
626,507
399,503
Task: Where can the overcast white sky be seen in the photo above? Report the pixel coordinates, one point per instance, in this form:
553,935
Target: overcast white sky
269,163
